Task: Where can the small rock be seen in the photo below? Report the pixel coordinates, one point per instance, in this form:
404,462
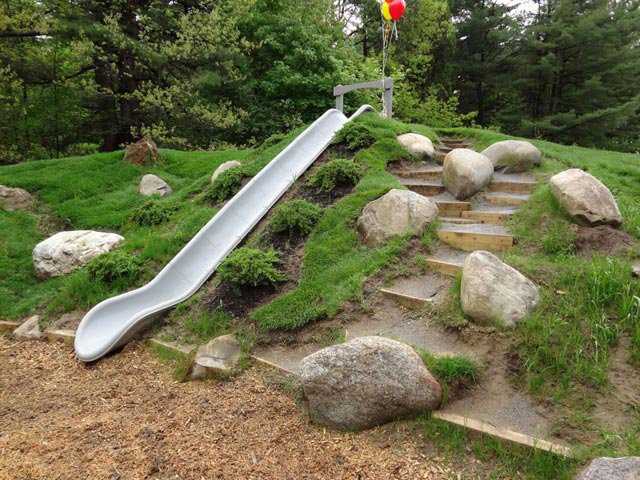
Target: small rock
626,468
635,269
220,356
65,252
30,329
223,168
418,146
154,185
366,382
143,151
396,213
492,291
466,172
513,156
585,198
15,199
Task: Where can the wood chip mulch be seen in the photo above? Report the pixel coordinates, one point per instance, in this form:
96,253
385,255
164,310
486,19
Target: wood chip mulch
126,418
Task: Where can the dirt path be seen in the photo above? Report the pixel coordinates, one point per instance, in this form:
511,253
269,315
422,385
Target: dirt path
125,418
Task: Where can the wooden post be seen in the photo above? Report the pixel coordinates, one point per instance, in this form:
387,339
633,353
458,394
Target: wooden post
340,103
386,85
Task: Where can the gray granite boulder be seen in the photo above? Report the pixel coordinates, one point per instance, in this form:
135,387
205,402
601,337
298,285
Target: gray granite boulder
585,198
154,185
513,156
366,382
466,172
398,212
223,168
15,199
492,291
29,329
220,356
626,468
418,146
65,252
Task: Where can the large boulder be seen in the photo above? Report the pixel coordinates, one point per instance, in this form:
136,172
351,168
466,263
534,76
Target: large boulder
223,168
492,291
220,356
626,468
366,382
64,252
418,146
396,213
585,198
15,199
141,152
466,172
513,156
154,185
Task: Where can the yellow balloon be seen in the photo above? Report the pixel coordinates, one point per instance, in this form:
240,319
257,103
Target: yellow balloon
386,12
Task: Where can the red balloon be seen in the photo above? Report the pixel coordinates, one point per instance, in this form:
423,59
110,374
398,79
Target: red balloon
396,8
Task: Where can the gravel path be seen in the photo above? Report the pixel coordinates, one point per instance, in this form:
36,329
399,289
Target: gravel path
125,418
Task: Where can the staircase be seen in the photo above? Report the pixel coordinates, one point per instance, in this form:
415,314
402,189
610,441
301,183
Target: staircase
465,226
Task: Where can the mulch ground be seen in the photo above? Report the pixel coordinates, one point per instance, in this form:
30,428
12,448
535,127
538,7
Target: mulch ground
126,418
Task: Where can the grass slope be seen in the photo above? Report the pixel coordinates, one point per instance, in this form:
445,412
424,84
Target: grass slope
100,192
336,263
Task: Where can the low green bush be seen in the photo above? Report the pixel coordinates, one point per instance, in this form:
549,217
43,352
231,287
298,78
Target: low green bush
296,217
114,266
250,267
225,186
355,136
153,212
335,173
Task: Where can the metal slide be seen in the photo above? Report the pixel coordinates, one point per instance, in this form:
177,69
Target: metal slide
115,321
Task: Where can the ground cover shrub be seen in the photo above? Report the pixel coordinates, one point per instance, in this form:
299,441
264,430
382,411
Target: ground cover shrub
296,217
153,212
339,172
250,267
225,186
115,266
355,136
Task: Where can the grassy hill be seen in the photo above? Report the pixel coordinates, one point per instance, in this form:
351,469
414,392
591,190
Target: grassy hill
589,302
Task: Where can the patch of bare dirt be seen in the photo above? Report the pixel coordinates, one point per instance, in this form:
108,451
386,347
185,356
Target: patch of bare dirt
603,239
124,418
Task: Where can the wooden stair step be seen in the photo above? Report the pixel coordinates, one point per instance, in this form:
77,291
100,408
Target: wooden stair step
477,236
447,261
430,173
423,187
509,186
461,220
415,291
506,199
452,208
491,217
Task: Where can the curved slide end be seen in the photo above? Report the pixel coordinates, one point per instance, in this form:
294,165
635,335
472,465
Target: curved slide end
115,321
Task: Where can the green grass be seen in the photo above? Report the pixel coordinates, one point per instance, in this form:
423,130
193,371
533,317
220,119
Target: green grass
507,460
336,263
179,362
100,192
453,372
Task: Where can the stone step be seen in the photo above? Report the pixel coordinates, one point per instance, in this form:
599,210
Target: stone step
506,199
447,261
492,217
494,238
427,173
423,187
416,291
